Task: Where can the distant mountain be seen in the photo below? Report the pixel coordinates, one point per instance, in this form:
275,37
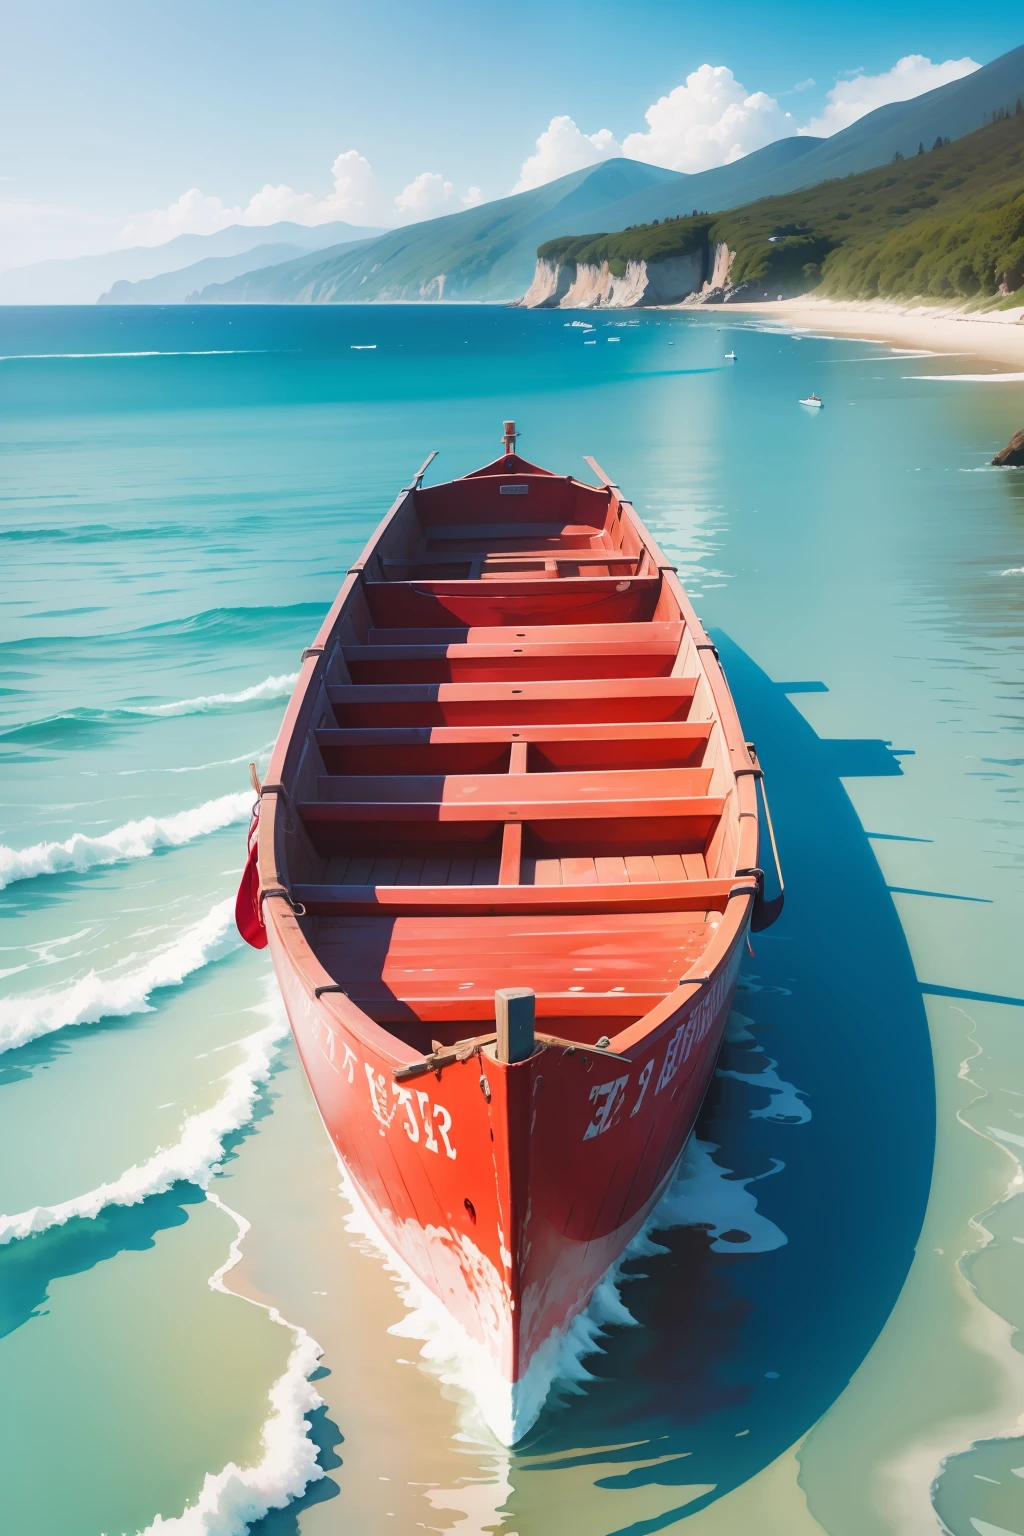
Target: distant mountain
81,279
487,253
183,286
479,253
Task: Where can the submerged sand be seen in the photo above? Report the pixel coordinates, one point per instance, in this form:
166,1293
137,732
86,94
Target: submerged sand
995,335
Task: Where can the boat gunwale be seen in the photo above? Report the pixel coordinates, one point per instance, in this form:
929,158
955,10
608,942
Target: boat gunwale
297,726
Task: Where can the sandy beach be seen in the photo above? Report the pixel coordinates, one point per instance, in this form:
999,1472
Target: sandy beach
997,336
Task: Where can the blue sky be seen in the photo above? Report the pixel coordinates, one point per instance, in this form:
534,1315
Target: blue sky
110,112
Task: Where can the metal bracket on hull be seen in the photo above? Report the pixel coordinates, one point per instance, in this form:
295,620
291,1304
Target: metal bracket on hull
279,890
571,1046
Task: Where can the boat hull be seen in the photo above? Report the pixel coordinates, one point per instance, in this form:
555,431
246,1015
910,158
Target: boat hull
506,859
509,1194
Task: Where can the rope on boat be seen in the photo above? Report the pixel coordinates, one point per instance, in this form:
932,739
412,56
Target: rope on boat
765,912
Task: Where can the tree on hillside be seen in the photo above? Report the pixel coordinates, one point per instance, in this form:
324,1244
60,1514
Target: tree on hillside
1020,106
897,157
920,147
938,142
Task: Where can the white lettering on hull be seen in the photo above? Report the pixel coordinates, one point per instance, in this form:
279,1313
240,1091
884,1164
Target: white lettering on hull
610,1097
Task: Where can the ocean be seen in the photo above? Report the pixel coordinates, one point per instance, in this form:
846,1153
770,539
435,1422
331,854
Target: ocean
197,1330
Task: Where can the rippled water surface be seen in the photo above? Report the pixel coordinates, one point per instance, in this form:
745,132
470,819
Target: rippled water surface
820,1334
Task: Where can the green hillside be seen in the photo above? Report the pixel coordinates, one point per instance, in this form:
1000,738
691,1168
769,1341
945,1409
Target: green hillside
948,222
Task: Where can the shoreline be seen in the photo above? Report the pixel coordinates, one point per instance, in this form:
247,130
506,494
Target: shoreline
997,336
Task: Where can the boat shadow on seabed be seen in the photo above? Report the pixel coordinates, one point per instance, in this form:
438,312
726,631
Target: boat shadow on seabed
738,1353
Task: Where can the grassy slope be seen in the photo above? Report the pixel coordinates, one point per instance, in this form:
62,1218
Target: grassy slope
946,224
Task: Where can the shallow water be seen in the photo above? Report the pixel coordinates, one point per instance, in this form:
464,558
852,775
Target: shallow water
823,1325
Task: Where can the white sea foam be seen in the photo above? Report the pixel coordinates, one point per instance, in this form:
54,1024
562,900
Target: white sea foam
193,1158
97,996
133,840
257,755
49,357
1013,570
702,1193
270,688
236,1496
785,1103
968,378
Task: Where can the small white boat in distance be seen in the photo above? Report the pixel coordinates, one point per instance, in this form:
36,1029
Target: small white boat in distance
730,357
814,401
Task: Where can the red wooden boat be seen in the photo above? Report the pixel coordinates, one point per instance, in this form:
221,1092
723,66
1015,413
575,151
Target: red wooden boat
507,857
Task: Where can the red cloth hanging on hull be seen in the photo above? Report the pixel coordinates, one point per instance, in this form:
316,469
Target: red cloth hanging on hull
248,911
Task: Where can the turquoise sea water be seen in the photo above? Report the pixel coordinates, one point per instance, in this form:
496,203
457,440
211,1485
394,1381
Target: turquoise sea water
823,1338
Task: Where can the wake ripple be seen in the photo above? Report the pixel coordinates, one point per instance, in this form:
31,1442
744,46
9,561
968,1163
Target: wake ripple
702,1192
95,996
133,840
193,1158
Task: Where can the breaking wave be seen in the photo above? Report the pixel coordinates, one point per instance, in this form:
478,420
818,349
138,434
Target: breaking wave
56,728
97,996
271,688
133,840
267,623
193,1158
236,1496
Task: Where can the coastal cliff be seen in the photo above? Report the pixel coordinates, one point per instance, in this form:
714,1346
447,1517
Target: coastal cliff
594,285
651,264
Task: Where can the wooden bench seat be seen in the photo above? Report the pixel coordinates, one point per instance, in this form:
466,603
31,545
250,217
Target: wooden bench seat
513,602
671,633
543,701
485,749
618,964
501,794
684,896
507,662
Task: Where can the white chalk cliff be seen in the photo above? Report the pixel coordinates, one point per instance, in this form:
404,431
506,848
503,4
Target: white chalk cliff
584,285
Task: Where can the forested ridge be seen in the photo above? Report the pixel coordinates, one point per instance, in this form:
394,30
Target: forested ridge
946,222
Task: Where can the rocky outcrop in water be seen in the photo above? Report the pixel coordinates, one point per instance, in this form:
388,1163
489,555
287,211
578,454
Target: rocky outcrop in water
1013,453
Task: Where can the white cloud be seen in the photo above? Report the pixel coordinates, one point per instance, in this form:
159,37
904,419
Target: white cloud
193,213
355,195
910,76
355,199
562,148
711,120
430,195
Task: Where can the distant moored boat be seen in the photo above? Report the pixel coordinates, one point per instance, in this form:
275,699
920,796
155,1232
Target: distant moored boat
814,401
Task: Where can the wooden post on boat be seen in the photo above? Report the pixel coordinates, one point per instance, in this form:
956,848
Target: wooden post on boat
515,1011
510,435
